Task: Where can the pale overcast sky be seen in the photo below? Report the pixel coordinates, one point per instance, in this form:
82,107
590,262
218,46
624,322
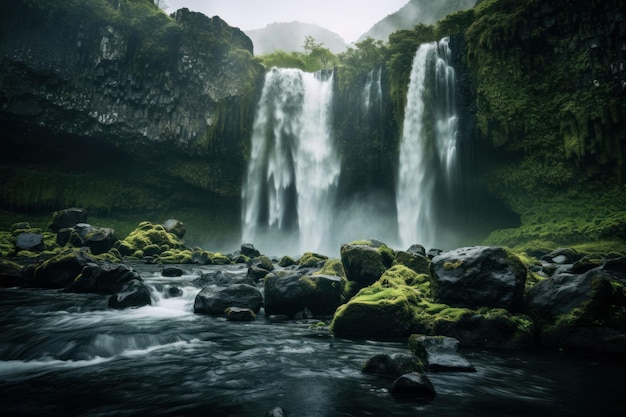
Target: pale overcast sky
348,18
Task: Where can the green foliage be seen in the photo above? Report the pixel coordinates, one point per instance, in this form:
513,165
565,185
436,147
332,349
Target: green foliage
315,58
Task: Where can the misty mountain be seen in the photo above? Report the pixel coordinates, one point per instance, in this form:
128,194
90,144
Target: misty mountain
289,37
414,12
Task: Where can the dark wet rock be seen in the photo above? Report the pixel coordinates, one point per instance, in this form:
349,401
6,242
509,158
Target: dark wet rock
440,353
616,267
61,270
413,385
98,239
289,292
249,250
563,256
286,261
67,218
478,276
172,292
172,271
134,293
29,241
262,262
240,314
587,263
257,273
581,313
392,365
417,249
201,257
433,252
175,227
103,279
10,273
215,301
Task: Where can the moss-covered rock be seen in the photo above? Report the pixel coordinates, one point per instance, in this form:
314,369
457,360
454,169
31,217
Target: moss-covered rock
286,261
311,259
175,256
332,267
61,270
7,244
146,235
221,259
365,261
9,273
417,262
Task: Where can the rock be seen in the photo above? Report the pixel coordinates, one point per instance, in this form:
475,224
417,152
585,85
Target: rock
616,267
201,257
256,273
146,234
172,292
277,412
10,273
417,250
67,218
175,227
586,263
392,365
288,292
134,293
103,279
171,271
479,276
440,353
249,250
413,385
562,256
215,301
312,260
286,261
363,262
262,262
240,314
98,239
433,252
417,262
30,241
384,310
62,269
581,313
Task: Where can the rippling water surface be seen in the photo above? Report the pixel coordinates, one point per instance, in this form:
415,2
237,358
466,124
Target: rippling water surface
67,354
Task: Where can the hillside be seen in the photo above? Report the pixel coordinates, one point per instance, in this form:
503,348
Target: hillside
289,37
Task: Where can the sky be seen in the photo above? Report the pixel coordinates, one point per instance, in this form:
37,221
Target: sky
348,18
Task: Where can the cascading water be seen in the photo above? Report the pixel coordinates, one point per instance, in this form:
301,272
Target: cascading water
428,146
293,169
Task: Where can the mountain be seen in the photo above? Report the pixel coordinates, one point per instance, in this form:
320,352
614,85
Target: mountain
289,37
414,12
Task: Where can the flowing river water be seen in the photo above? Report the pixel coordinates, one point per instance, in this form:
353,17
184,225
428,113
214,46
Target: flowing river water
65,354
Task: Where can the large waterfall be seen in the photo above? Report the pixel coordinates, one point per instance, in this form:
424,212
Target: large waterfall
427,156
289,191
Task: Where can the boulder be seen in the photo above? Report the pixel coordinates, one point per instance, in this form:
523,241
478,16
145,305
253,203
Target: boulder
98,239
392,365
171,272
240,314
277,412
416,261
479,276
175,227
312,260
248,249
215,301
67,218
440,353
134,293
563,256
29,241
62,269
146,234
256,273
413,385
417,249
222,278
364,262
10,273
103,279
581,313
289,292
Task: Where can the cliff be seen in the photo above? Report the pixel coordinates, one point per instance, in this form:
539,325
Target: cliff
112,105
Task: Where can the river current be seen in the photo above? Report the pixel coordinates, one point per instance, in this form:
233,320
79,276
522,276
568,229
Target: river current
65,354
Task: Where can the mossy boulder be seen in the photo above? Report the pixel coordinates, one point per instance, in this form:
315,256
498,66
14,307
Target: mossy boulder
61,270
286,261
384,310
332,267
175,227
221,259
583,313
98,239
175,256
479,276
7,244
365,261
9,273
414,260
145,235
66,218
393,365
312,260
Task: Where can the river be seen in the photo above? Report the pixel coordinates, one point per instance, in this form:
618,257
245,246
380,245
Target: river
65,354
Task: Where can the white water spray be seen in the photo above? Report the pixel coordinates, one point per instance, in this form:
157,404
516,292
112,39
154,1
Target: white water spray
428,146
289,191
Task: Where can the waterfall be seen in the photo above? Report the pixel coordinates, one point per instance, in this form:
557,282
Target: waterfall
289,190
372,91
427,157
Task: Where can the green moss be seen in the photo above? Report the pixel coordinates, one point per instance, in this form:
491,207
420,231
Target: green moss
9,268
175,256
332,267
220,259
286,261
7,244
311,259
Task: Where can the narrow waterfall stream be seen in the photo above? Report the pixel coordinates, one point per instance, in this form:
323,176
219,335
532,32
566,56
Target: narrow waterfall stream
288,194
428,146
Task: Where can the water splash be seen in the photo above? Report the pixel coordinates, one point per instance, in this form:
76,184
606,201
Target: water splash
428,146
289,191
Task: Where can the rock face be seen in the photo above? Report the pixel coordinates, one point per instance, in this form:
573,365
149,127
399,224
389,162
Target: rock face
478,276
119,89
